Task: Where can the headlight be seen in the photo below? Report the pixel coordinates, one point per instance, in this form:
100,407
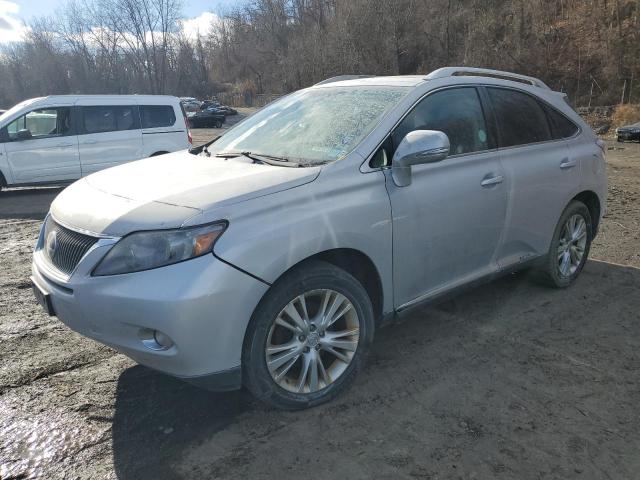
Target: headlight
158,248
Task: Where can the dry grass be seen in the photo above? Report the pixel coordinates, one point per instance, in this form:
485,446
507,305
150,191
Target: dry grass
625,115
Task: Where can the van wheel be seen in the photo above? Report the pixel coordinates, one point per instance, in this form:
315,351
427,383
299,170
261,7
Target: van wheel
308,337
569,247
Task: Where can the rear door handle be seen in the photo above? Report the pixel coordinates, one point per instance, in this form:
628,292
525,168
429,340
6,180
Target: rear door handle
488,181
566,163
64,145
89,142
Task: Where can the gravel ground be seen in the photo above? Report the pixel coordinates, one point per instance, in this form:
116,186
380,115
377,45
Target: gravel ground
510,380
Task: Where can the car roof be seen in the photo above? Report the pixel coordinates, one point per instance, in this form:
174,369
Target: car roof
355,81
115,97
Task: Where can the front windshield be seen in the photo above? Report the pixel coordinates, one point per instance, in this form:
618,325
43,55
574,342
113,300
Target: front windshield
16,108
312,126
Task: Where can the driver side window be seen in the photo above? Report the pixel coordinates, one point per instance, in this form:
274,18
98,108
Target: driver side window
42,123
456,112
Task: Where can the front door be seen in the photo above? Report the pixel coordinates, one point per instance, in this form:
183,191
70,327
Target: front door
448,222
42,147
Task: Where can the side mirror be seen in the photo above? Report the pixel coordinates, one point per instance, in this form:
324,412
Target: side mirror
24,134
418,147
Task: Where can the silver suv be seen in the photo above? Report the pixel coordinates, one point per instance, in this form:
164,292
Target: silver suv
268,257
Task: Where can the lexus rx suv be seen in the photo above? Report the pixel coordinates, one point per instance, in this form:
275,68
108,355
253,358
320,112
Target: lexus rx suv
269,257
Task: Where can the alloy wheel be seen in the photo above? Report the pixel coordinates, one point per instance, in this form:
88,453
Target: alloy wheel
572,244
312,341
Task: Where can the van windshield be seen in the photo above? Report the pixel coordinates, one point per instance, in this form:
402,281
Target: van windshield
14,109
312,126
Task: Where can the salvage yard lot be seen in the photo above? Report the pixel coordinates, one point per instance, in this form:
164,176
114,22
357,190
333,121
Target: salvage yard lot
509,380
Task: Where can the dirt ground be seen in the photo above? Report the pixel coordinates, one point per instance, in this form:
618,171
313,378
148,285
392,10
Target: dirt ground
510,380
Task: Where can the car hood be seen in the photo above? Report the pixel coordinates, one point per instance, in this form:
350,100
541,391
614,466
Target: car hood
165,191
630,127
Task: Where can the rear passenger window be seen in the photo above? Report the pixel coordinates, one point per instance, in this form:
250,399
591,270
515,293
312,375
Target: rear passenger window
521,119
127,118
154,116
99,119
561,126
456,112
107,118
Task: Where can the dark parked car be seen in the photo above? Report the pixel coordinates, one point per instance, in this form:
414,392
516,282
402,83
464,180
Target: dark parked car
209,103
227,110
630,132
206,119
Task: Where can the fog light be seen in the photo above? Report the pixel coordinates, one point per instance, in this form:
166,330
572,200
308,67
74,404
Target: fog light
162,339
155,339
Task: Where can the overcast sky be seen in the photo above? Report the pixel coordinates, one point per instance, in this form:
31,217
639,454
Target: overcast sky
14,13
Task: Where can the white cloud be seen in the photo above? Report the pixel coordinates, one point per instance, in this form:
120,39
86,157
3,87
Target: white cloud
202,24
12,28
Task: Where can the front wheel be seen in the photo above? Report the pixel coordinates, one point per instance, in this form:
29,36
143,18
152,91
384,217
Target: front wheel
570,246
308,337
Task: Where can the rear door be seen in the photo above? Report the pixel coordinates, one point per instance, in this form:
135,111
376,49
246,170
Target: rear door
541,172
109,135
163,129
46,149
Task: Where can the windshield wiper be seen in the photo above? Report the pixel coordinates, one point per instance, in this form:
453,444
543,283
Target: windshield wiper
258,157
203,148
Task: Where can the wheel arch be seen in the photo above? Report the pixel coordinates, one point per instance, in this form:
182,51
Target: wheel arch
357,264
159,152
592,201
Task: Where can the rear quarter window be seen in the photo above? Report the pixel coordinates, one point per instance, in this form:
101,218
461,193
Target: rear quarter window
154,116
561,126
521,119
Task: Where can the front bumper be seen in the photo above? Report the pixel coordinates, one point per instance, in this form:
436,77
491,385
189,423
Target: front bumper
203,305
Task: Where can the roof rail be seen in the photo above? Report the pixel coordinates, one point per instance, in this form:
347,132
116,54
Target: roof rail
485,72
340,78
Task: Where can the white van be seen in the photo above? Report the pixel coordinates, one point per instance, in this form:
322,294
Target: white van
58,139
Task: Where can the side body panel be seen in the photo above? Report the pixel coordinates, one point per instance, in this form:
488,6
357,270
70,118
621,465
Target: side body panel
166,139
106,149
446,225
4,166
540,187
593,169
342,208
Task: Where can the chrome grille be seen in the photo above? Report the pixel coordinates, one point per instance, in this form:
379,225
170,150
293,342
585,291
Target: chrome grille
65,248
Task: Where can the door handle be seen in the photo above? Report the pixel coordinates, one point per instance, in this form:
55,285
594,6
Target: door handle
566,163
489,181
64,145
89,142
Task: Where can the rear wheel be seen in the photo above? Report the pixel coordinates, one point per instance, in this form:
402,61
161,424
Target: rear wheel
308,338
570,246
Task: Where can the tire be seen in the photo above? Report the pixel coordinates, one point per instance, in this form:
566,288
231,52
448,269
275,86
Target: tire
557,272
314,281
218,125
619,139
